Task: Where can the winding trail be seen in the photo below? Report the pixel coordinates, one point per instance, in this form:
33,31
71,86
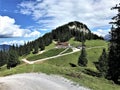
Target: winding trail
59,55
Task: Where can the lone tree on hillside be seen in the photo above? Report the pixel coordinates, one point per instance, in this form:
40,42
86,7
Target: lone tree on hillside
114,48
102,64
82,61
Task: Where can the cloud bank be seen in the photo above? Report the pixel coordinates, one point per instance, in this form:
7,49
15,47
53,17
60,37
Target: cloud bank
53,13
8,28
101,32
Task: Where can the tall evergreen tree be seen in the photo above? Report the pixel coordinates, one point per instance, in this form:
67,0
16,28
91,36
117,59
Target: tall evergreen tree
82,61
3,58
114,48
36,48
41,44
102,65
12,59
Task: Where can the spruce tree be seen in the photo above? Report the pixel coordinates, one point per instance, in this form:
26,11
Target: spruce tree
36,48
102,64
3,58
114,48
82,61
13,59
42,45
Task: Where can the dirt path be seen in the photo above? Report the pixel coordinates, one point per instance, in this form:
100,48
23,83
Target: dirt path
44,59
35,81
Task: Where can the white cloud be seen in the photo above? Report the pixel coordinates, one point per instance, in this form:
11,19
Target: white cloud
52,13
101,32
8,28
33,34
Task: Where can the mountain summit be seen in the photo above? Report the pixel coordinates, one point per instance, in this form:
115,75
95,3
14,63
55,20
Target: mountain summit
73,29
78,26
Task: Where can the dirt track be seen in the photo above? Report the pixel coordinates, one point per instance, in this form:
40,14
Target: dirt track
44,59
35,81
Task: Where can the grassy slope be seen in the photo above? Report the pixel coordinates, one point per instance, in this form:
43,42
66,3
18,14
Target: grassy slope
46,54
88,43
51,46
61,66
74,43
49,53
47,48
92,43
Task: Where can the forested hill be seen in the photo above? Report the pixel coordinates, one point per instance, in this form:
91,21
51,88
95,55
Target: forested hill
62,33
72,29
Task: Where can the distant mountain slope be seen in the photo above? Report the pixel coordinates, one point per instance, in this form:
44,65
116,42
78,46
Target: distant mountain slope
4,47
107,37
73,29
74,26
63,33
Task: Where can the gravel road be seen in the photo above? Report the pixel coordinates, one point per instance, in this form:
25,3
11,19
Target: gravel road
44,59
37,81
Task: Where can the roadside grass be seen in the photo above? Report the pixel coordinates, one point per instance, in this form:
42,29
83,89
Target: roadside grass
94,83
61,66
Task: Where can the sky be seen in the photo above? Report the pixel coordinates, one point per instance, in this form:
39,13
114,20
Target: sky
26,20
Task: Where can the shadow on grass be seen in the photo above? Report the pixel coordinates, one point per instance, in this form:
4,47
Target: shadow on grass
92,73
72,65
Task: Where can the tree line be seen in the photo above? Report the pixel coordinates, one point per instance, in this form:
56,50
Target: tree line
9,58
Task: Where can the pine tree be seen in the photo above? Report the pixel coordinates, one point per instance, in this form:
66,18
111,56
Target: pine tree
3,58
114,48
36,48
82,61
12,59
42,45
102,65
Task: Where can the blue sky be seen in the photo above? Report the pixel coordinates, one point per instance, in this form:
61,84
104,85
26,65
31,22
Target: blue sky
26,20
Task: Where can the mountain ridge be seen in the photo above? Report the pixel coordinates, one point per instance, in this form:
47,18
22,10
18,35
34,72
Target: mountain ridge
4,47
